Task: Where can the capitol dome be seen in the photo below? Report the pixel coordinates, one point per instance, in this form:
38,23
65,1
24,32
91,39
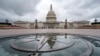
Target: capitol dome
51,16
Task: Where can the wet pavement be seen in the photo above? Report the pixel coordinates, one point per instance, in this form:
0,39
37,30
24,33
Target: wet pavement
13,32
81,47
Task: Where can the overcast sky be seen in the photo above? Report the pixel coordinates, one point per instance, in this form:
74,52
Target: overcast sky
29,10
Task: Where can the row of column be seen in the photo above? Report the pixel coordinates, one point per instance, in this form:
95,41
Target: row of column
36,24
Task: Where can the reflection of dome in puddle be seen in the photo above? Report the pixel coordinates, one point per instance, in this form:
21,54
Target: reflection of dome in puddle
41,44
51,42
45,44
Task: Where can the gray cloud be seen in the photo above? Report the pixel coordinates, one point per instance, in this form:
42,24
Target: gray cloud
80,9
71,9
17,8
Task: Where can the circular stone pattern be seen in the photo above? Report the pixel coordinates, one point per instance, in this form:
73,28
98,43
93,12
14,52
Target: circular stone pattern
40,44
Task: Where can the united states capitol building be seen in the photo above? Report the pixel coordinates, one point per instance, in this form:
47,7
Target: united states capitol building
51,22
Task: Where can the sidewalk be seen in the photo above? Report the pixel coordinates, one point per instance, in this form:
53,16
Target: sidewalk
14,32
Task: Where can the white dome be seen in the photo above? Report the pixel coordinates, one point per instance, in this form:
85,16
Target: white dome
51,16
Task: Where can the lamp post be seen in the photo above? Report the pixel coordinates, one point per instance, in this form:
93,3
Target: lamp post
36,25
65,26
